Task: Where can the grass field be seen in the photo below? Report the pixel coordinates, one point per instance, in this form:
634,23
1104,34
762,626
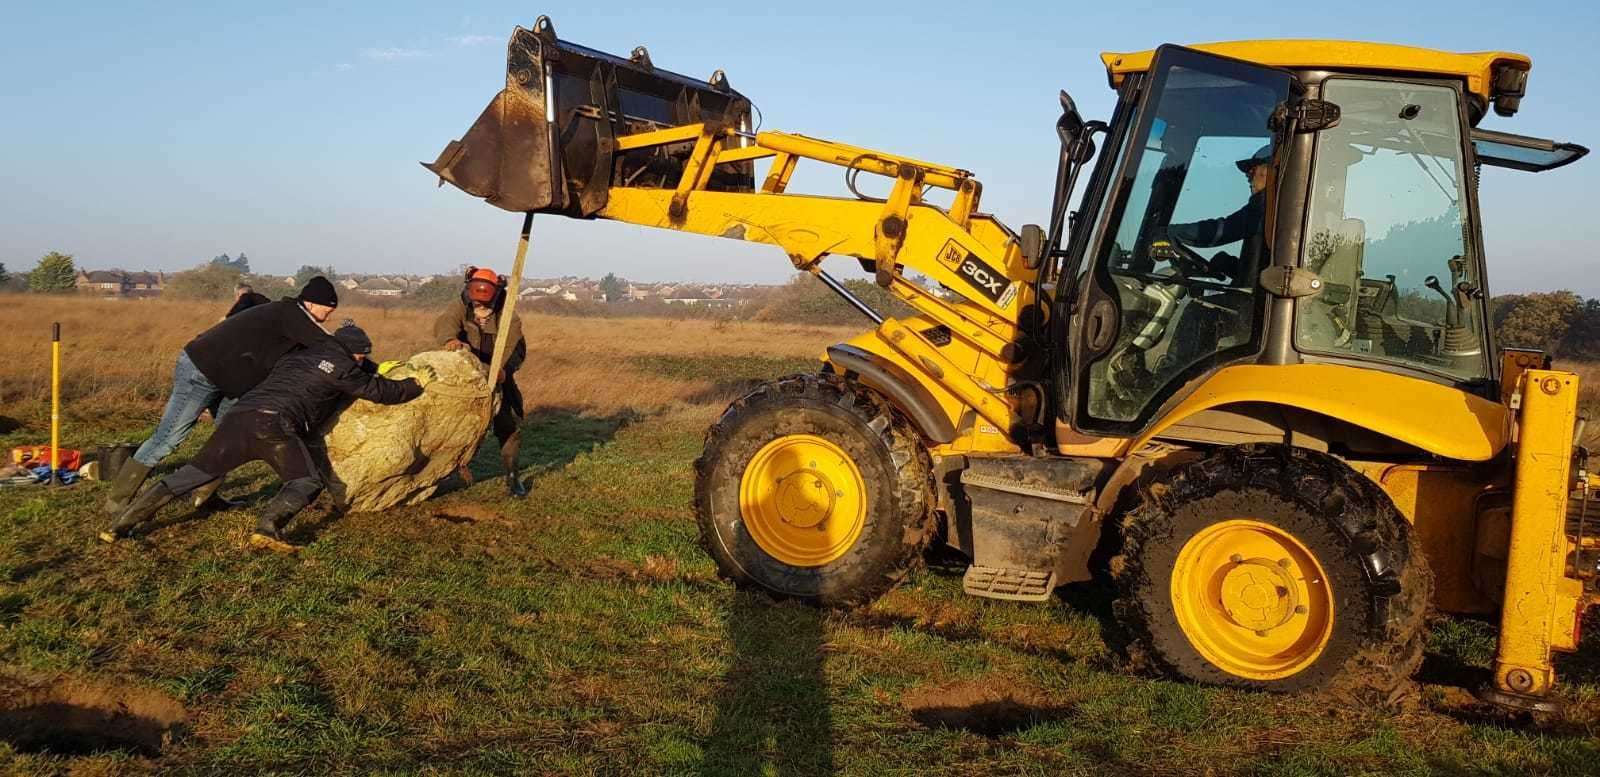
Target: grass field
583,631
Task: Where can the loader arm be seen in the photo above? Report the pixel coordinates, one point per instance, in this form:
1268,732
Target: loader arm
957,248
560,138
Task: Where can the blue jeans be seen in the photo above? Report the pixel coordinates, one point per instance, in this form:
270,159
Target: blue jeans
192,393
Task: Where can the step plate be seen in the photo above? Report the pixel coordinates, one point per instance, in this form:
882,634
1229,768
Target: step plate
1020,585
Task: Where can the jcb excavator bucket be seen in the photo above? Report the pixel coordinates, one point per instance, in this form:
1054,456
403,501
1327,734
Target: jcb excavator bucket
546,141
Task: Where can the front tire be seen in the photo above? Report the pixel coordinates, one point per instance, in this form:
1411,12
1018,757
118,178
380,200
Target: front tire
1274,568
811,487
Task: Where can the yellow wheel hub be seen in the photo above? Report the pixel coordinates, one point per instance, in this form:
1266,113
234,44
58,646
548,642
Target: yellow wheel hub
1252,599
803,500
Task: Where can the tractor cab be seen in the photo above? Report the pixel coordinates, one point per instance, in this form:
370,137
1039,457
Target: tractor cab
1284,203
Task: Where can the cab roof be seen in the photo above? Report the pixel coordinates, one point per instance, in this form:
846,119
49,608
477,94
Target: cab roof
1480,70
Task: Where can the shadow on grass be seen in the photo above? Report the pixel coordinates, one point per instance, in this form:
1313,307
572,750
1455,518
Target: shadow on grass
552,438
773,712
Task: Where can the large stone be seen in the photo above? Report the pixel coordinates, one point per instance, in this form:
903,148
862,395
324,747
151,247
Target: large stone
381,456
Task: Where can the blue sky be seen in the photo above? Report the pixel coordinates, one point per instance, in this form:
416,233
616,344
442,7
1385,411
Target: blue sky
157,137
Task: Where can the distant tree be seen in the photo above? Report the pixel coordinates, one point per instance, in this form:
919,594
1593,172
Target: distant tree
1537,320
241,264
5,277
307,272
613,287
1582,340
54,274
804,299
213,281
435,293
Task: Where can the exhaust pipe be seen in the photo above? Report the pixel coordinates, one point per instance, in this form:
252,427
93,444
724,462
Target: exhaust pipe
546,142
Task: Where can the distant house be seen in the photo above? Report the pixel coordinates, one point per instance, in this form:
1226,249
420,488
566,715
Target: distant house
380,286
348,283
107,282
119,283
144,284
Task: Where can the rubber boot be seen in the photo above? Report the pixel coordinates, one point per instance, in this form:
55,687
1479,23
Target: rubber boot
295,496
143,509
269,529
125,486
207,498
508,459
272,521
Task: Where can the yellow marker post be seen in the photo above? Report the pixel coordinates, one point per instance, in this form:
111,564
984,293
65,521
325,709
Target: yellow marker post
55,404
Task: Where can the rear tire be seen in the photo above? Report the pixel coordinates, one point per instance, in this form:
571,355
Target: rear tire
1274,568
811,487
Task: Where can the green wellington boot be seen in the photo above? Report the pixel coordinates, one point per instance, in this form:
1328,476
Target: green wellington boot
126,485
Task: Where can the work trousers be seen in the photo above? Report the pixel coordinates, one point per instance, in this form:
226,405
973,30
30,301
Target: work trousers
508,420
255,435
192,394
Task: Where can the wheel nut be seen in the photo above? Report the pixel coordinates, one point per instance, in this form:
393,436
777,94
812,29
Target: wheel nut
1300,609
1236,558
1261,632
1283,562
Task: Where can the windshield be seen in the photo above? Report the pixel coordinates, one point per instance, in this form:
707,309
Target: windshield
1386,232
1186,241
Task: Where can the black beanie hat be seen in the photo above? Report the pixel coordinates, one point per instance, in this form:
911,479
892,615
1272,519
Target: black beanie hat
353,338
320,291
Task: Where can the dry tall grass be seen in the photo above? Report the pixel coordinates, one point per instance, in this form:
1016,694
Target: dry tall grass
117,355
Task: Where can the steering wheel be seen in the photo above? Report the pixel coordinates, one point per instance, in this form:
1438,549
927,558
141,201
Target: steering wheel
1182,258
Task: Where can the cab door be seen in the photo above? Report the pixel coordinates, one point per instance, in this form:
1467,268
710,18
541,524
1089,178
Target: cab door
1171,289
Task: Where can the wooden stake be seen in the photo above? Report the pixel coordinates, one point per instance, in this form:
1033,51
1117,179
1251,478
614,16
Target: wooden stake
513,286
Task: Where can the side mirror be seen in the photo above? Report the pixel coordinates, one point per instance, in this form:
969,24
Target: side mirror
1070,125
1032,246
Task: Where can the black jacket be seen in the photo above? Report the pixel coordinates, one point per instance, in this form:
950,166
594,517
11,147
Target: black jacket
1247,221
246,301
237,353
308,385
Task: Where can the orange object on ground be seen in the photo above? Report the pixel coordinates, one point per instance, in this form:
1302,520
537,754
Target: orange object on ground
35,455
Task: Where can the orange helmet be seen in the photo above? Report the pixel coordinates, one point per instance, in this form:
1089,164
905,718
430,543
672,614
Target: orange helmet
482,285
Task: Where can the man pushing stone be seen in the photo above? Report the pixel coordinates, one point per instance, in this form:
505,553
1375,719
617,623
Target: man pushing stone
272,423
473,324
219,366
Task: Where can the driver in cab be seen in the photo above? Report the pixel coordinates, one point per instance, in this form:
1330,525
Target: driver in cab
1246,222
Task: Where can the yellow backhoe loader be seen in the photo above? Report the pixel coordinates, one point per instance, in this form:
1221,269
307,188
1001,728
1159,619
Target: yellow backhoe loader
1249,377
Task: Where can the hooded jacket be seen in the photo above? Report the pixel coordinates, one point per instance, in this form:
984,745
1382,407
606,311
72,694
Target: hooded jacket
458,323
307,386
239,352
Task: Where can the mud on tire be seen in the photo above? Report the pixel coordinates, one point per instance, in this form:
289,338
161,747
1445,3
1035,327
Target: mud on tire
886,450
1380,580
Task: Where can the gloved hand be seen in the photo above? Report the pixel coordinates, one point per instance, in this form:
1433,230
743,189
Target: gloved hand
424,375
454,345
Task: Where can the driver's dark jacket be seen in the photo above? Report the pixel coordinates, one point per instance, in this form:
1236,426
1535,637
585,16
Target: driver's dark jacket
1246,222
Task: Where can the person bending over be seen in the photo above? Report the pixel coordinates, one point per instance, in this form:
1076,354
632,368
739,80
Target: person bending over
219,366
272,423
